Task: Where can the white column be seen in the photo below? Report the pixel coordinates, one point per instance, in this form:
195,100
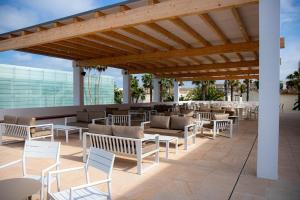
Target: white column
126,86
269,61
176,91
78,85
156,89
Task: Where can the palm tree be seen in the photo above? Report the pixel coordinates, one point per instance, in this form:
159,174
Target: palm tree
233,84
294,82
137,92
226,89
166,86
205,85
147,84
99,69
247,82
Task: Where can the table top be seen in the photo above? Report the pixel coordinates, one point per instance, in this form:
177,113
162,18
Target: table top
18,188
161,137
64,127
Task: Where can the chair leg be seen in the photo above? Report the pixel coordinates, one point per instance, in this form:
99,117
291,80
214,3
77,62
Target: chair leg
139,166
109,191
42,192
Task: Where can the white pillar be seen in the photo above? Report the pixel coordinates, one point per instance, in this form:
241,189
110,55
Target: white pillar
156,89
126,86
78,85
176,91
269,61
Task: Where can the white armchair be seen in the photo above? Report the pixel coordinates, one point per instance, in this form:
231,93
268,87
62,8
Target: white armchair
99,159
39,149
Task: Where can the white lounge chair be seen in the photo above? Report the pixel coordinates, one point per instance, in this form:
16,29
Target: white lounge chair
39,149
99,159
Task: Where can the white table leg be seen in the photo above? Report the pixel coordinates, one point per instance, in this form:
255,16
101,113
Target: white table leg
176,147
67,136
167,149
80,134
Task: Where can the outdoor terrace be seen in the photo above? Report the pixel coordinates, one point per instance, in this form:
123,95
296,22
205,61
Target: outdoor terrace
211,169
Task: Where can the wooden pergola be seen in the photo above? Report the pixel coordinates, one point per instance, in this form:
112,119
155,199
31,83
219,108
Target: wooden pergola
182,39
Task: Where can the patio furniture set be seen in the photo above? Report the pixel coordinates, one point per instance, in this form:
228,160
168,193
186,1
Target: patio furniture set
104,137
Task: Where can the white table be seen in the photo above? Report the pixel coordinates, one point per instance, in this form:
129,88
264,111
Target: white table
165,139
67,129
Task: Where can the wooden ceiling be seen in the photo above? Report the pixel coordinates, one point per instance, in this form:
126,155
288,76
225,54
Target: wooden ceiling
182,39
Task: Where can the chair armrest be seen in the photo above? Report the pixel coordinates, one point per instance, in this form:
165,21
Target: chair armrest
96,119
10,163
40,125
90,184
144,123
44,171
68,119
189,126
65,170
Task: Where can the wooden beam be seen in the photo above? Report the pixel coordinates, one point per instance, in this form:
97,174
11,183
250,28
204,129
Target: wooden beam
98,14
152,2
282,42
57,24
229,65
219,73
46,53
228,48
240,23
232,77
77,19
25,32
41,28
144,14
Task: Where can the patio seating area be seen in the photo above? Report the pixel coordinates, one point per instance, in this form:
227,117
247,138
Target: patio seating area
209,170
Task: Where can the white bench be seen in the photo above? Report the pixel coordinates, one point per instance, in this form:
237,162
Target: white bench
24,131
123,146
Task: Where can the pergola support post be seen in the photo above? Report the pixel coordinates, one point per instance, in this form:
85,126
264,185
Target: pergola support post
269,61
156,89
126,87
78,85
176,91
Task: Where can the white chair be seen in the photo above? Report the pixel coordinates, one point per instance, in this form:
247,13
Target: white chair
39,149
122,120
99,159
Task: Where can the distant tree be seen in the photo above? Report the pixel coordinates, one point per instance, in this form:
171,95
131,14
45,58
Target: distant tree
256,83
294,82
247,82
118,94
137,92
204,85
233,85
226,90
147,83
167,84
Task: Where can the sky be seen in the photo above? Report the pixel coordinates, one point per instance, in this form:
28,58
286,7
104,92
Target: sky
17,14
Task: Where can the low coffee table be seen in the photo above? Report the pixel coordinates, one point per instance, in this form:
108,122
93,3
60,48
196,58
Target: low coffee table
19,188
66,129
165,139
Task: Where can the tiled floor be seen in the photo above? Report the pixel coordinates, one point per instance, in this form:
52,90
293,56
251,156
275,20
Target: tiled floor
208,170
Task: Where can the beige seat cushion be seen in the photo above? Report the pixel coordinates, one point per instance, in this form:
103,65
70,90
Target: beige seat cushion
82,116
78,124
220,116
100,129
168,132
8,119
178,123
188,113
160,122
41,132
27,121
128,131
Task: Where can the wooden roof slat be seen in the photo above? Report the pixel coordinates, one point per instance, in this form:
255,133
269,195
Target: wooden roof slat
240,23
112,43
81,47
229,65
46,53
109,50
129,40
168,34
147,37
204,51
180,23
